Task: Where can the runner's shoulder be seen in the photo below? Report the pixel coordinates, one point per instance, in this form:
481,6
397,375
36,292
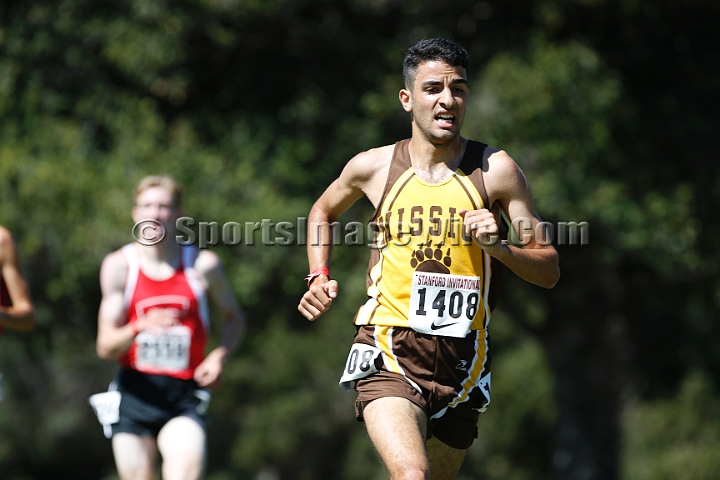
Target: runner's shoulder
501,165
206,261
113,271
6,243
115,259
364,166
5,240
208,267
503,177
5,235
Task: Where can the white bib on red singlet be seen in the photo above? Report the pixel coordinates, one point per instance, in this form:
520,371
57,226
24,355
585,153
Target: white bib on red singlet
167,350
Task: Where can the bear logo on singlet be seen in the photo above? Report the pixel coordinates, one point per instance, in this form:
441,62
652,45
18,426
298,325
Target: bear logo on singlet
429,259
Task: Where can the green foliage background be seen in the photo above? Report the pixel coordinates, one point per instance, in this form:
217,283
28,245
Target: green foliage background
610,108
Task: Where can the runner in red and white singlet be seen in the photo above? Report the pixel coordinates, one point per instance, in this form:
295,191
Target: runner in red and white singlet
179,348
154,320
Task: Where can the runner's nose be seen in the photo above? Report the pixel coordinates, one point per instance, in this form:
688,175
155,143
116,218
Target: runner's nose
447,99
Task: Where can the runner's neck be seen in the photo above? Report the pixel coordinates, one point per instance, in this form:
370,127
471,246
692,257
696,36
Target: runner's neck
436,163
159,262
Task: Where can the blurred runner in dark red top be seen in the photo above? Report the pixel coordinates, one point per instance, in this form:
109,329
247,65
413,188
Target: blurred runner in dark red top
16,310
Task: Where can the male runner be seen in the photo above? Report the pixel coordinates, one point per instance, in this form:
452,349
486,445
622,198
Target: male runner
420,361
16,310
154,318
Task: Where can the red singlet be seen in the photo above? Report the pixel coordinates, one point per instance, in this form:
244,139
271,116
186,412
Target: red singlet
4,296
175,351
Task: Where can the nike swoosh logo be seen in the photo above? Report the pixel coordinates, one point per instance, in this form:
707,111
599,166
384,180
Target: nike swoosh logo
438,327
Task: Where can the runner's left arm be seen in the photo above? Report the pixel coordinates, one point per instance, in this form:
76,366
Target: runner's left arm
533,261
210,270
20,315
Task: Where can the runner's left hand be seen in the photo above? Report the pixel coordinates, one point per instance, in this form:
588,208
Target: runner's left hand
482,227
208,373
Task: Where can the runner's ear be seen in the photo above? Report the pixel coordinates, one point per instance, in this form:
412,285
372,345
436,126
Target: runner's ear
404,96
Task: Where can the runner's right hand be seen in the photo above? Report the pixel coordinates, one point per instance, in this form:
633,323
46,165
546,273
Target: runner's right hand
318,298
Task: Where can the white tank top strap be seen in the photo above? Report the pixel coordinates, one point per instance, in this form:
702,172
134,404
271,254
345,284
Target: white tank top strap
130,253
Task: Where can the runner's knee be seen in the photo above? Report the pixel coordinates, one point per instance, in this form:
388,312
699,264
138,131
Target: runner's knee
412,472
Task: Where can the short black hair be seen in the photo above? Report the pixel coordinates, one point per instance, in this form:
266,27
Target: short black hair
430,50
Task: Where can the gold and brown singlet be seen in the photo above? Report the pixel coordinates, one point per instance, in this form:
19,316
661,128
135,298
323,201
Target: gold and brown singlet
424,271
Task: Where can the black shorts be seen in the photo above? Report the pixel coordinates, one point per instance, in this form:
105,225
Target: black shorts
449,378
148,402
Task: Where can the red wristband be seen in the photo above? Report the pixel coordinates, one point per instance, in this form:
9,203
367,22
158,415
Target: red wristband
316,273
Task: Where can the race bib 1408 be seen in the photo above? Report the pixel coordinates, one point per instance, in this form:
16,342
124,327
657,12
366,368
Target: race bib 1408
442,304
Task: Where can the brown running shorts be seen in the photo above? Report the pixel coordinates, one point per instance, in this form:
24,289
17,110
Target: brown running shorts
449,378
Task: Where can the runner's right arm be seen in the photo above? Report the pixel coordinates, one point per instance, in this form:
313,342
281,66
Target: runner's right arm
115,335
364,174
